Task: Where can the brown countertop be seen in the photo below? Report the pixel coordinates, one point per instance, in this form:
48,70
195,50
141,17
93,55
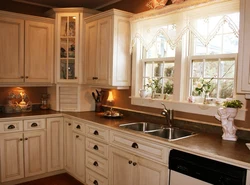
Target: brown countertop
207,145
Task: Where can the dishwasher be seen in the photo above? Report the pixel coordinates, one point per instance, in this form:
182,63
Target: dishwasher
189,169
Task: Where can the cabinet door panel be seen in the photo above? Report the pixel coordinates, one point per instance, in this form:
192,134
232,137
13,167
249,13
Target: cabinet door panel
91,54
12,50
104,49
11,157
149,172
38,52
55,143
79,156
121,171
68,145
35,153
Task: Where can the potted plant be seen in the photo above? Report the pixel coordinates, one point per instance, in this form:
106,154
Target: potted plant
232,104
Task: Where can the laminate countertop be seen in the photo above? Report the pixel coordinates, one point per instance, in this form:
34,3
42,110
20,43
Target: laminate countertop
207,145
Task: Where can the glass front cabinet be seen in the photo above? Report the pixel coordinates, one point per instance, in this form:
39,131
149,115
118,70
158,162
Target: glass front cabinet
68,48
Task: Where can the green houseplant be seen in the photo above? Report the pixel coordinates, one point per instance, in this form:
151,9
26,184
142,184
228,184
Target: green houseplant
232,104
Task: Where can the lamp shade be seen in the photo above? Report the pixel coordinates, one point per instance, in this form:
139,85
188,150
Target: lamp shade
110,97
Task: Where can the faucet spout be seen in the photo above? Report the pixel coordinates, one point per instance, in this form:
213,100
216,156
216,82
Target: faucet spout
168,113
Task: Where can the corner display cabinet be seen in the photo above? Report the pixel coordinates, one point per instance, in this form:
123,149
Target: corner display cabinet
68,39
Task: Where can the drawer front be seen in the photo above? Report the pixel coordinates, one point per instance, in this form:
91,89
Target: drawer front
94,178
11,126
142,147
98,133
34,124
97,148
97,164
79,127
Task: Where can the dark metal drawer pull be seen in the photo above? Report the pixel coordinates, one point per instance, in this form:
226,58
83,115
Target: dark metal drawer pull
11,127
78,127
135,145
34,125
77,136
95,78
95,182
69,124
96,132
129,162
134,163
95,147
95,163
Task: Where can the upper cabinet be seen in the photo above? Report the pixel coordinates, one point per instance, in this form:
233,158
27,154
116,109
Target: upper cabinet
69,40
243,80
26,49
107,49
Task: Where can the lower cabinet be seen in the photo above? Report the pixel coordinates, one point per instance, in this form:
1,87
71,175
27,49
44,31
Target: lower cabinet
22,155
68,145
129,169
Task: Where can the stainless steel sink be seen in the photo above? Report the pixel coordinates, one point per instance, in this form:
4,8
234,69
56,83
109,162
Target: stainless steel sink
142,126
172,133
158,130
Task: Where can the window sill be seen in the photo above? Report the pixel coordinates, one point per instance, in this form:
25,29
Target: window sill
195,108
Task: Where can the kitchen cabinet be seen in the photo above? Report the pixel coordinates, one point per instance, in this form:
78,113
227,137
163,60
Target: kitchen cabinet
68,47
68,145
23,153
26,49
55,143
129,169
107,56
243,78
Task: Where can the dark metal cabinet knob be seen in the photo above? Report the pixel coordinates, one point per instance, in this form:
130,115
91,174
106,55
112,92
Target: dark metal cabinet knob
21,139
95,78
77,136
26,77
78,127
95,182
95,163
129,162
69,124
26,138
134,163
95,147
96,132
34,125
11,127
135,145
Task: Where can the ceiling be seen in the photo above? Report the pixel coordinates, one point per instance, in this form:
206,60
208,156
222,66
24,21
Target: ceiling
39,7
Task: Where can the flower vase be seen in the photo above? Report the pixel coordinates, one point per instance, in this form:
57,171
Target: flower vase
205,97
153,94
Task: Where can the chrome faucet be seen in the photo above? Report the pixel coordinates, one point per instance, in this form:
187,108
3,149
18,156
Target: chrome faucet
168,113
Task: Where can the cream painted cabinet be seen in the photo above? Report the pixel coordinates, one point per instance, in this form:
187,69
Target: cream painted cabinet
34,153
12,163
68,145
243,80
26,49
55,143
107,56
129,169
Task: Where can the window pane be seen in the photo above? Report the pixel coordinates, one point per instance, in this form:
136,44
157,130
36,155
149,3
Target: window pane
158,69
168,69
215,45
227,68
148,69
168,86
211,68
226,88
230,43
199,48
197,70
213,88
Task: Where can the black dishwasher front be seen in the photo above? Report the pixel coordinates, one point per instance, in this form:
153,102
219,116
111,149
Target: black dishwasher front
207,170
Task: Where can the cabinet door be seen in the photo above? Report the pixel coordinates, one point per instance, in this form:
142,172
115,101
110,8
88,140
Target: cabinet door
79,156
11,157
91,52
103,53
149,172
55,143
121,167
38,52
68,145
35,153
12,50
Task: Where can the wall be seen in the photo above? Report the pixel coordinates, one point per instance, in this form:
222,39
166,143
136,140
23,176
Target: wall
34,93
122,100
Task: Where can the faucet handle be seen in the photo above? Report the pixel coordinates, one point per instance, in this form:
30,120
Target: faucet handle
164,105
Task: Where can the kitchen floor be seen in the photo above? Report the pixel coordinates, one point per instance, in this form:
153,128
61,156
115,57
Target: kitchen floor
61,179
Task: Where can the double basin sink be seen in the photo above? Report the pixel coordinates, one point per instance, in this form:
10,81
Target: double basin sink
172,133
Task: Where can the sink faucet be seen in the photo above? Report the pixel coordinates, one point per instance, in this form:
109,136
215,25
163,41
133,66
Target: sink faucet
168,113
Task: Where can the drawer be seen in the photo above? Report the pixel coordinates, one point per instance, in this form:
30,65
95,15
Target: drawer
11,126
94,178
97,164
99,133
34,124
139,146
97,148
79,127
